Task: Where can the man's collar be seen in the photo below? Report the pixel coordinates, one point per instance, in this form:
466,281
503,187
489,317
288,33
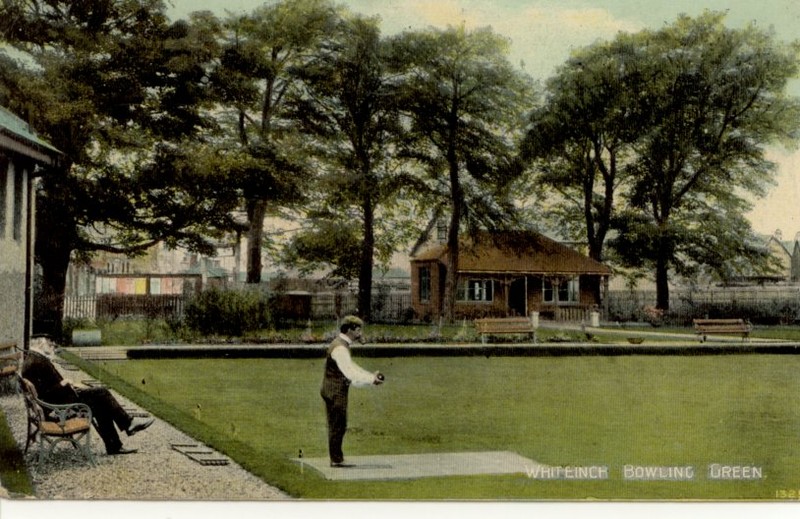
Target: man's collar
346,339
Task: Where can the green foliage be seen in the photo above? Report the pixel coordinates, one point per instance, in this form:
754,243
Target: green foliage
764,313
13,473
686,113
717,98
72,323
465,102
252,81
117,89
579,141
330,243
348,104
231,313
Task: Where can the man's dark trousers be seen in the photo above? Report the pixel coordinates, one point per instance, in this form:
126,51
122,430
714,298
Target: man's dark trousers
336,409
106,412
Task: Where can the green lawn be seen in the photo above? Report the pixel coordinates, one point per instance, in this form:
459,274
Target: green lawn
13,473
612,411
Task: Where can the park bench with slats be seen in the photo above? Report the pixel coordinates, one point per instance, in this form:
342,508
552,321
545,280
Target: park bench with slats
503,325
706,327
52,424
10,361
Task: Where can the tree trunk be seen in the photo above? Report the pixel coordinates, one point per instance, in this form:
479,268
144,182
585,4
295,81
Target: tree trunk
256,213
367,254
56,236
451,276
662,273
48,305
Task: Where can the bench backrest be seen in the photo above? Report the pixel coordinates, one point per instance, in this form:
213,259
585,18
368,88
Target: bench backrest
719,322
489,324
35,411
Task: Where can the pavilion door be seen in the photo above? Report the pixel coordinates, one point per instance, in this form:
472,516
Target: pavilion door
518,297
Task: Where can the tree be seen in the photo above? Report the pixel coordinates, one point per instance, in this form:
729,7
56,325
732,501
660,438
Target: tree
717,97
581,139
253,81
349,104
115,88
465,103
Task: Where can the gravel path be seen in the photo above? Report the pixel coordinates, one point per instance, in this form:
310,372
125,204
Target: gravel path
155,472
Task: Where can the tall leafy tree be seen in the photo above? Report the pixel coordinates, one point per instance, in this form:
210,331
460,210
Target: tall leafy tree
349,104
254,79
581,140
465,104
111,84
717,97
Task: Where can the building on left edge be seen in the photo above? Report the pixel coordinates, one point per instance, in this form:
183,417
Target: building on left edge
22,154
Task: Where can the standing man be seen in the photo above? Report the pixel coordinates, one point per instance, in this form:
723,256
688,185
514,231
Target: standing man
340,372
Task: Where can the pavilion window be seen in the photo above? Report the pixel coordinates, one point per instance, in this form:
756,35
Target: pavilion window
424,284
481,290
561,291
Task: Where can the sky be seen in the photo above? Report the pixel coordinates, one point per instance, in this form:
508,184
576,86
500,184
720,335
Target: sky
544,32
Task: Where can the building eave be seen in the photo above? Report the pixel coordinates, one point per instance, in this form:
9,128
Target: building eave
38,153
535,272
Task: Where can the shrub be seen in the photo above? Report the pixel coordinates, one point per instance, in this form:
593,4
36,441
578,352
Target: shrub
227,312
69,324
767,312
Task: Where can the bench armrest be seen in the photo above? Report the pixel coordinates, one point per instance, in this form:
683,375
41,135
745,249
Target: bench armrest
58,413
61,413
11,357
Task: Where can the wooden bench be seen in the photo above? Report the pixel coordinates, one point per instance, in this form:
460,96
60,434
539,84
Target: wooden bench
503,325
705,327
10,364
52,424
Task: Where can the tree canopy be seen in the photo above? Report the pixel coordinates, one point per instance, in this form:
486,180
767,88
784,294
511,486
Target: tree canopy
254,78
466,106
348,103
653,141
685,113
118,89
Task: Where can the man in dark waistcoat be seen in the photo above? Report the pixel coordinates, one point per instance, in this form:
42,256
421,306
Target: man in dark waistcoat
340,373
53,388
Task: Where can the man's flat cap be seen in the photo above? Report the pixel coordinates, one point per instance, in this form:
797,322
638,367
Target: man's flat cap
352,319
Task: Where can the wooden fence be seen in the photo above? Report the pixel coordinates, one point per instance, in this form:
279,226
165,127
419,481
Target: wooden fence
766,305
386,307
576,314
81,307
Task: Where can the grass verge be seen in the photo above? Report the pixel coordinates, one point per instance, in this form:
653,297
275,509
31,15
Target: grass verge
13,472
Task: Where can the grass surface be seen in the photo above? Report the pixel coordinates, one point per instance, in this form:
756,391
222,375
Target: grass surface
13,472
612,411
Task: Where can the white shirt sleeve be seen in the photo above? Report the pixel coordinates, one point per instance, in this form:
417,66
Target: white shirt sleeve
357,375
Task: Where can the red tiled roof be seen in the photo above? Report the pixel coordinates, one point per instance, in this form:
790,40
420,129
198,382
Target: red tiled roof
515,252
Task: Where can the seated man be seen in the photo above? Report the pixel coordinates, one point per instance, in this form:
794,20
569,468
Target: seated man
54,389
